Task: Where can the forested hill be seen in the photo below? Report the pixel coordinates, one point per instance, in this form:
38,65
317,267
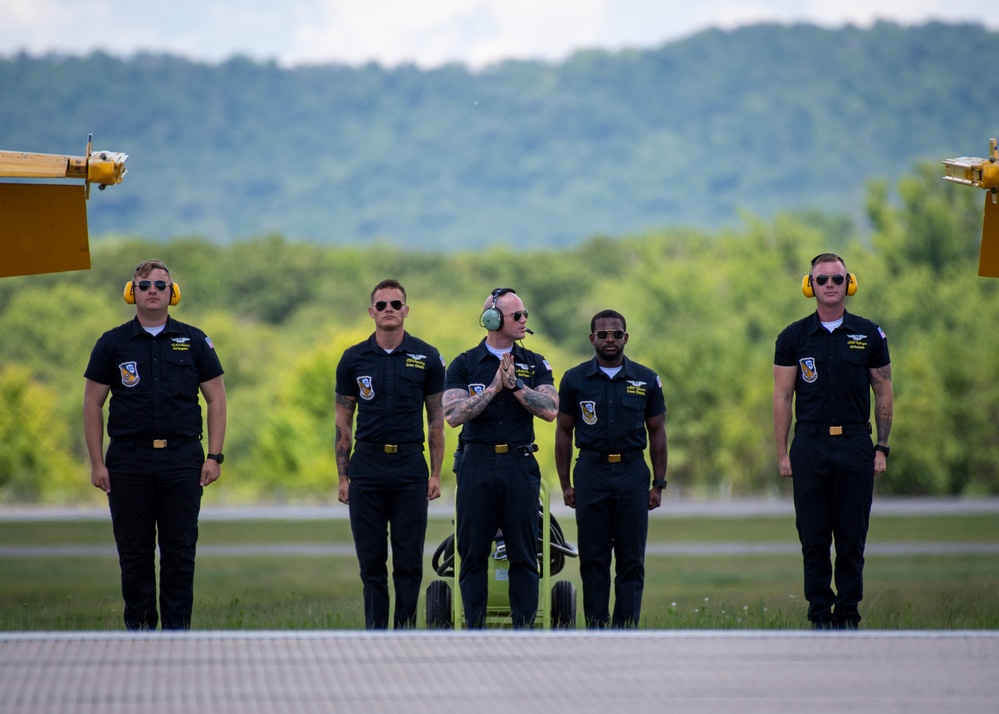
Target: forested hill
762,119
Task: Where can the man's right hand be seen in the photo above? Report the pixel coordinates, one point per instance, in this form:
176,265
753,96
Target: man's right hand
784,464
99,478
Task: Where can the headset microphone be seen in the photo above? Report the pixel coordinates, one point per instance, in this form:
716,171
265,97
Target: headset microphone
528,330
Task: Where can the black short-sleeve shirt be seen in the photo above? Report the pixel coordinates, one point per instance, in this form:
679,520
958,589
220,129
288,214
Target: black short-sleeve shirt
154,380
504,420
834,382
611,413
391,388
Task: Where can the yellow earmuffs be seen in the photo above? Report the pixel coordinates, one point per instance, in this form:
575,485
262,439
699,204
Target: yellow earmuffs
129,293
808,291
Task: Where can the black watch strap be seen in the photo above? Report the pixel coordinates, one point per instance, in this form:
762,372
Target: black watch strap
216,457
883,449
660,483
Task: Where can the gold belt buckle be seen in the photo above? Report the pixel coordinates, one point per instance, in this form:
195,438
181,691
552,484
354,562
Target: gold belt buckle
613,458
502,448
159,443
835,430
391,449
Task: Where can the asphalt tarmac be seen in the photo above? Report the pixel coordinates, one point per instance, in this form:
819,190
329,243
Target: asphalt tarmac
702,672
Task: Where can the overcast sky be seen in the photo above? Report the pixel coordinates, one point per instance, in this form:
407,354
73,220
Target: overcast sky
427,32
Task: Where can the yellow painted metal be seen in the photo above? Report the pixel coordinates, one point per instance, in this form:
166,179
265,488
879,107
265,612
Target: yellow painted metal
24,165
982,173
988,258
103,167
43,229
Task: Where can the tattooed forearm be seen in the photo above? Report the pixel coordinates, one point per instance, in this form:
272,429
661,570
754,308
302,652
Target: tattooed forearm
460,407
883,401
542,402
344,422
435,432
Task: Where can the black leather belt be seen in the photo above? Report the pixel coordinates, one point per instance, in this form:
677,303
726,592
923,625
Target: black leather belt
515,449
367,448
803,427
611,457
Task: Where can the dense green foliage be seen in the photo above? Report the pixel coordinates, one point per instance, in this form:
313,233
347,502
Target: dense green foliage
703,310
764,118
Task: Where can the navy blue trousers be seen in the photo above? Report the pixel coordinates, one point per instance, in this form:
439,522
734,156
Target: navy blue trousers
612,516
156,493
498,491
388,501
833,490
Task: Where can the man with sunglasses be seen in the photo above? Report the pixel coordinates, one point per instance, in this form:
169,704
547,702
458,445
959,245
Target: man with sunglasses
155,468
389,380
610,403
494,391
827,364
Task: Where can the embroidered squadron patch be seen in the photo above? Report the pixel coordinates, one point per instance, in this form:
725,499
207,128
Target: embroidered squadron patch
129,373
808,371
589,410
635,386
474,389
367,390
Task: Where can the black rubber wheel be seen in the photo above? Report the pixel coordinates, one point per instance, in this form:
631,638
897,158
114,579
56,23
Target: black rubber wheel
439,605
563,605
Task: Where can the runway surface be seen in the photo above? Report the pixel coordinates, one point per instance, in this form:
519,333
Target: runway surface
666,672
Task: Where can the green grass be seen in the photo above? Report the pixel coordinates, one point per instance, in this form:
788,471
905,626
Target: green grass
714,592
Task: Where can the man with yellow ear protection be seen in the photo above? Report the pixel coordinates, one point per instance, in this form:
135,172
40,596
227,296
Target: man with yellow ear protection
828,363
155,469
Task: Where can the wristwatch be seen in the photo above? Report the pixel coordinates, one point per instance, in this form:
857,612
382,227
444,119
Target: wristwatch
220,457
883,449
659,483
520,385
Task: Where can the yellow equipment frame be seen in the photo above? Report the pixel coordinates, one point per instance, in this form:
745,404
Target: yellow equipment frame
43,226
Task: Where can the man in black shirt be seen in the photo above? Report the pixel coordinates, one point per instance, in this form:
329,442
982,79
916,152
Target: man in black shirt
155,468
831,360
389,379
610,402
494,391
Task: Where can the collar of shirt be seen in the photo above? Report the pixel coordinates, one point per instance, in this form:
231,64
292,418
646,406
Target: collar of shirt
482,352
848,322
169,328
405,346
627,370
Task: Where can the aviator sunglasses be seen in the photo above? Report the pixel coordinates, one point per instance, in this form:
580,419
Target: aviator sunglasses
602,334
823,279
519,314
144,285
382,304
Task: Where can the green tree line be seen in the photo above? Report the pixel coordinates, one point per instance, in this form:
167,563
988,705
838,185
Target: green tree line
767,118
703,310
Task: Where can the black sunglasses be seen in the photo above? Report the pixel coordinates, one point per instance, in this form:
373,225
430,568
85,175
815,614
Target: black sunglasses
144,285
602,334
382,304
517,315
822,279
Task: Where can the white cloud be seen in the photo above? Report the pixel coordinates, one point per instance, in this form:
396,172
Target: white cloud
428,33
